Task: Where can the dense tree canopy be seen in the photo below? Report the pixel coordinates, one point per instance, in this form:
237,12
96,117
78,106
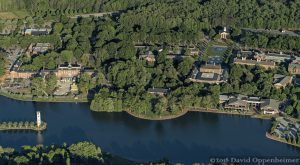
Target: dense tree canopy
109,45
77,153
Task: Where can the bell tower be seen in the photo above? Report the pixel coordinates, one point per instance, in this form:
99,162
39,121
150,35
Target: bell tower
224,33
38,118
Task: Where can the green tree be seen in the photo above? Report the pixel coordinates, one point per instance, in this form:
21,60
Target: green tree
58,27
86,152
2,66
38,87
161,105
51,82
185,66
67,56
21,160
85,83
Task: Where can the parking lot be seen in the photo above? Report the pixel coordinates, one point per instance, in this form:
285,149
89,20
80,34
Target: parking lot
12,55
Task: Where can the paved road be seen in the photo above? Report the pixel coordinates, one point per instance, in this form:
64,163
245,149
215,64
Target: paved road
289,33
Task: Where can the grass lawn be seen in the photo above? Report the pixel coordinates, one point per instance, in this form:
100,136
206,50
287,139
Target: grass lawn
216,50
219,42
13,14
21,13
8,15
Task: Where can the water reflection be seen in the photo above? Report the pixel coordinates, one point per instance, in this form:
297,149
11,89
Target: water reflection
189,119
39,138
159,129
122,118
187,139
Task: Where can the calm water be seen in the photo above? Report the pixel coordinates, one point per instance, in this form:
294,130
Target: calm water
193,137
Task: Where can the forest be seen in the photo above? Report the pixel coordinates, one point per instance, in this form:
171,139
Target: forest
77,153
271,14
268,41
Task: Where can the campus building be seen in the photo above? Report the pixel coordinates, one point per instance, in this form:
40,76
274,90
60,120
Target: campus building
294,67
148,56
269,107
253,58
68,71
281,81
209,73
37,32
245,103
264,64
274,57
36,48
158,91
224,34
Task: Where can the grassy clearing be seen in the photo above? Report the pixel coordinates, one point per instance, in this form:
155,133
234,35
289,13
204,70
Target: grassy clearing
13,14
8,15
216,51
21,13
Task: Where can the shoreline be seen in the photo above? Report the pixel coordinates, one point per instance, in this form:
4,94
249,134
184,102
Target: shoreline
274,138
161,118
21,129
50,100
158,118
201,110
251,114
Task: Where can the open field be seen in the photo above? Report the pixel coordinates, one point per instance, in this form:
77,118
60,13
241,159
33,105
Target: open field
8,15
13,14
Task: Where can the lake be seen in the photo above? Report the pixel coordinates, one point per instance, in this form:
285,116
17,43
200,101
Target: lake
194,137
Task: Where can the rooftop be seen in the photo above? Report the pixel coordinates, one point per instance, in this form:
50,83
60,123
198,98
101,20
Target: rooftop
285,80
278,76
69,66
40,47
236,101
224,97
254,62
210,66
207,76
294,66
278,55
42,31
158,90
253,99
270,104
246,53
